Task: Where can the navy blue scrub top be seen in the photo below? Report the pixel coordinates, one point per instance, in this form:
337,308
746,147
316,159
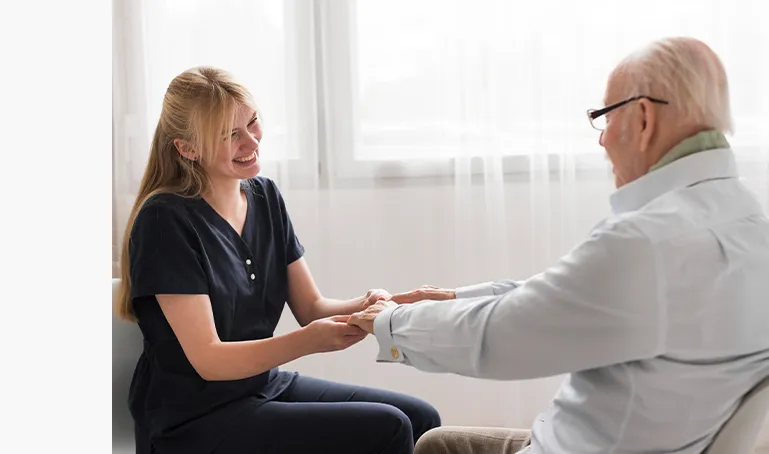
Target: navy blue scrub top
183,246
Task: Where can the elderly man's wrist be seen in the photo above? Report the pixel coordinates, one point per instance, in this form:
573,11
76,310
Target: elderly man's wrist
383,321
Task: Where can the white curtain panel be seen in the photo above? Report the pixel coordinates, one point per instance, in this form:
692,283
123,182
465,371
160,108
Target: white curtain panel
428,142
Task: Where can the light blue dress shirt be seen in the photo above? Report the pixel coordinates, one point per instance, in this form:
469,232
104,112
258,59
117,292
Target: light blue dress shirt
660,318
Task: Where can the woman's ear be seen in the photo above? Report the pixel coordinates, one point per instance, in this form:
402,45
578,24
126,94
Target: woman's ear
185,149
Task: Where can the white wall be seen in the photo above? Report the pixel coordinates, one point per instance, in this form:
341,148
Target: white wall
399,238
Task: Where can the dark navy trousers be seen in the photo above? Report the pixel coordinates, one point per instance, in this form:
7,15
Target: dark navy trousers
318,416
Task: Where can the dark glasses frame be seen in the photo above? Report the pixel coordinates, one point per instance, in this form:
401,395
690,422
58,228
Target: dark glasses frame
592,114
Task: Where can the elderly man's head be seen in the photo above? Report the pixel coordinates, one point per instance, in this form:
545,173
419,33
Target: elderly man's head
681,89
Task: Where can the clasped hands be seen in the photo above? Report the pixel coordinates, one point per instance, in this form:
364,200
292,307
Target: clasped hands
339,332
378,300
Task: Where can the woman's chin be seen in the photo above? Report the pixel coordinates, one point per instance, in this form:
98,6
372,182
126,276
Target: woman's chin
249,175
254,171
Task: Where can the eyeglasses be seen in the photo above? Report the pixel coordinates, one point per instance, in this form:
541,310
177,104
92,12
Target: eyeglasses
597,118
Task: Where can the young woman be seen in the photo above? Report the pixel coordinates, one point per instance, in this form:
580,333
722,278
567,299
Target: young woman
210,258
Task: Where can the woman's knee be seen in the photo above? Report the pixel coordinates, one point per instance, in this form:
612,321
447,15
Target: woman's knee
396,428
426,418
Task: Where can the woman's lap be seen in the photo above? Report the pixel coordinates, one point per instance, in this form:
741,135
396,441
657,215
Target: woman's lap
422,415
315,415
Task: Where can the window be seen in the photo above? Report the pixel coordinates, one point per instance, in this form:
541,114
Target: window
264,44
412,88
440,79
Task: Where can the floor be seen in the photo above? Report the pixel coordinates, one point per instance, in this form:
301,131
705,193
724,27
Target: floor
127,449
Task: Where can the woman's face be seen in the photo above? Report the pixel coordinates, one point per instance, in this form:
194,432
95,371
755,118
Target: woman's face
238,158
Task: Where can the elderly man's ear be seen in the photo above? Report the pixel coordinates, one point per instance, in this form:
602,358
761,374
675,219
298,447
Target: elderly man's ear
648,123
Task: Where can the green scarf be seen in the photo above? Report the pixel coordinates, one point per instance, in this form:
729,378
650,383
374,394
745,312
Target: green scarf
703,141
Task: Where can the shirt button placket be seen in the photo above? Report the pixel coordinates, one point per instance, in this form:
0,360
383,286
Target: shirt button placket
248,267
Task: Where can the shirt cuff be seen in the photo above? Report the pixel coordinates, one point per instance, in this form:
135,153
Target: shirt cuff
472,291
388,351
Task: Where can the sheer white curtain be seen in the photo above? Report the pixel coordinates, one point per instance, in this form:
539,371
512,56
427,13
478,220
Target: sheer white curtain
459,125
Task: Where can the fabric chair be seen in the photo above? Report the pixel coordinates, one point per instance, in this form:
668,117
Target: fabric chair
127,345
740,433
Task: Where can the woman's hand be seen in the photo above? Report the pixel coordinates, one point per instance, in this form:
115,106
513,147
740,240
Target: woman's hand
375,295
332,334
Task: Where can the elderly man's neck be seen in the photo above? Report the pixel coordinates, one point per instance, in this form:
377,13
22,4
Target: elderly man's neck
680,142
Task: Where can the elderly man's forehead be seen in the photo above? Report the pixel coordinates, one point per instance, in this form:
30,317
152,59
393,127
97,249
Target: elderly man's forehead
615,86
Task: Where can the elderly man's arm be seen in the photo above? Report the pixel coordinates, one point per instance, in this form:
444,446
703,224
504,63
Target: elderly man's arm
599,305
492,288
432,293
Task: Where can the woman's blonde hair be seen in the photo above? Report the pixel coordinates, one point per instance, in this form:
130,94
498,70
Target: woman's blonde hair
199,108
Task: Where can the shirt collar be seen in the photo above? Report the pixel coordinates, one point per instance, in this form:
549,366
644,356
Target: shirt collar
683,172
702,141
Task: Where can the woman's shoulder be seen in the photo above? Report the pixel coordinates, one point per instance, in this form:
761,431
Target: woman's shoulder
164,207
264,187
261,184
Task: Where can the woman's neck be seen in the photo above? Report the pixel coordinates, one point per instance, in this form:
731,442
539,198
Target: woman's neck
226,198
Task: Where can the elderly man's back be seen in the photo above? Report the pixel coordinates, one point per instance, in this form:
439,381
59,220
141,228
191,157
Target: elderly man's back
709,238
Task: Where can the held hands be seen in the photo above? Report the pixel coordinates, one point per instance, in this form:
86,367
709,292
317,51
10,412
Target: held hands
343,331
425,292
378,300
374,295
333,333
365,319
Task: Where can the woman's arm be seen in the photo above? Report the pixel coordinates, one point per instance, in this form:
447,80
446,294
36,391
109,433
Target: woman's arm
192,321
307,304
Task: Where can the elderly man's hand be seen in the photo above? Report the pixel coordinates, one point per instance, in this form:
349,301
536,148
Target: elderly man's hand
365,319
425,292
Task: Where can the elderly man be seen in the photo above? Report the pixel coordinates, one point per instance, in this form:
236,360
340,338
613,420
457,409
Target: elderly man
660,317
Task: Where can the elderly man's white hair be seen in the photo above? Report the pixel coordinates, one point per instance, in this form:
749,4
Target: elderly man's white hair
686,73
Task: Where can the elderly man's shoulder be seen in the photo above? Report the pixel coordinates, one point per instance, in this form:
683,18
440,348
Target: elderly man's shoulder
656,222
676,216
643,228
622,230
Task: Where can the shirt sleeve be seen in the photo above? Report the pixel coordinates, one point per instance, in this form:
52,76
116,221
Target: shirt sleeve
165,253
487,288
599,305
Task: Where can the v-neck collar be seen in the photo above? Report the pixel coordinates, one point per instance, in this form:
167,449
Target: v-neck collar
225,227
